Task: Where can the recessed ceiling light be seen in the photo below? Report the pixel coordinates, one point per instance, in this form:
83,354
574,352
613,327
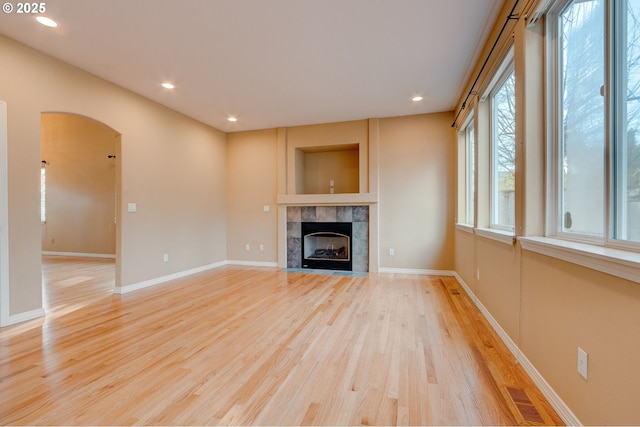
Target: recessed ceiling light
232,119
48,22
167,85
417,98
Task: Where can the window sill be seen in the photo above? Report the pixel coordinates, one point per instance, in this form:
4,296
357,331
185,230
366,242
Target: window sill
617,262
506,237
465,227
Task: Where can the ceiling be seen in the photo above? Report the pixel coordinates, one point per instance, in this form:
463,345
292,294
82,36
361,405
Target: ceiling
271,63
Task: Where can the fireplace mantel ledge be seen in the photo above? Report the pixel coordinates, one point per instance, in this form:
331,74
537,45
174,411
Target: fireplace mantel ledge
342,199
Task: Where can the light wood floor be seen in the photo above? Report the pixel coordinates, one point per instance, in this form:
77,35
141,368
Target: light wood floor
260,346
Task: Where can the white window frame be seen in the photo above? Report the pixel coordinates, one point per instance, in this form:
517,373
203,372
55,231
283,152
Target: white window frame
554,169
470,170
502,75
615,26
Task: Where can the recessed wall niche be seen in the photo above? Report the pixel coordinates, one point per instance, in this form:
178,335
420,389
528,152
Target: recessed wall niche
315,155
328,169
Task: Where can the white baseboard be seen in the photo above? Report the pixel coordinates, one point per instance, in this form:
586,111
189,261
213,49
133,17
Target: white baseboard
181,274
513,348
416,271
26,316
558,404
158,280
253,263
34,314
549,393
79,254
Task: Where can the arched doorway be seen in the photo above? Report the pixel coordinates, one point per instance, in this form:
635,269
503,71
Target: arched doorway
79,205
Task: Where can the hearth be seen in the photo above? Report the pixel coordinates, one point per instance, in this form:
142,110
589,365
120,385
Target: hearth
357,216
327,245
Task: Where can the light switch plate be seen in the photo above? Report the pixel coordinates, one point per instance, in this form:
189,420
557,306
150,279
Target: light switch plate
132,207
583,363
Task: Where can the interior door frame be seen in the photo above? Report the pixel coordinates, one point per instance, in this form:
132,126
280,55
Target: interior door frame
4,219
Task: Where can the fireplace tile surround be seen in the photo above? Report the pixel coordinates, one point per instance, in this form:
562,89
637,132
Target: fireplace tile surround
357,215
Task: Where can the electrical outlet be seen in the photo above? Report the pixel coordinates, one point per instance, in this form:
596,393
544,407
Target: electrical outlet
392,252
583,362
247,247
261,247
165,257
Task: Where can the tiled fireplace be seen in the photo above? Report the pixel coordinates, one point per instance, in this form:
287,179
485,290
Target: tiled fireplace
358,216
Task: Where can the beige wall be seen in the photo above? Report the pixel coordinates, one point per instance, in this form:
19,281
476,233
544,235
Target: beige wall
252,184
499,285
465,257
417,191
80,185
565,306
416,174
341,167
197,200
549,307
173,167
327,136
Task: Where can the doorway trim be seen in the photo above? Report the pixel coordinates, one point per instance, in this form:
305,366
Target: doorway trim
4,219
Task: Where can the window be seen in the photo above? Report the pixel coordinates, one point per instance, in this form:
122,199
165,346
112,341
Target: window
596,114
503,149
470,137
581,130
626,180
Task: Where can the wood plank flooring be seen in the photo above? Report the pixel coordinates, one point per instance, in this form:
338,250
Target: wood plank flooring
258,346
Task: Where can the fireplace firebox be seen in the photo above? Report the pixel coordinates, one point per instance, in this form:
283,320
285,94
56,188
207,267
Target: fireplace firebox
327,245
